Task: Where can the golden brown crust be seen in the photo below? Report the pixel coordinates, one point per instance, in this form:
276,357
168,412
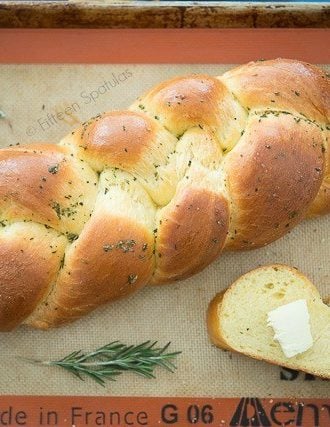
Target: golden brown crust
116,139
270,183
198,100
282,84
212,320
111,259
129,141
321,204
30,257
191,234
232,161
43,183
184,102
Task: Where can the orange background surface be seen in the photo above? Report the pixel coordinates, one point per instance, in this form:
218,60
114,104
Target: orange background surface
162,46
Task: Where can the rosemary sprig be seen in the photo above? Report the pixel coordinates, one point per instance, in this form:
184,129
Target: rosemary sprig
111,360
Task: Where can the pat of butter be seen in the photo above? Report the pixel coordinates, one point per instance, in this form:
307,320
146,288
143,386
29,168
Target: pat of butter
291,326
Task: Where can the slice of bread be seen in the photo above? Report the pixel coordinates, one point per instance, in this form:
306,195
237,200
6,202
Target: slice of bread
237,318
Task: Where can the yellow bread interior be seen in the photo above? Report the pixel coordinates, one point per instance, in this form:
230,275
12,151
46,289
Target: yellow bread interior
237,318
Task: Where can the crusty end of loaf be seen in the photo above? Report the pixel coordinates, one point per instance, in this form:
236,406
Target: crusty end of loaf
213,326
237,318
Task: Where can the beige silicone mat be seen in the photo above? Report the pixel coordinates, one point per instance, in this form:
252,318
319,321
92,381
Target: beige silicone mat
174,313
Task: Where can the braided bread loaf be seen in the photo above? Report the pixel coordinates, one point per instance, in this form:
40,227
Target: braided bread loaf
155,193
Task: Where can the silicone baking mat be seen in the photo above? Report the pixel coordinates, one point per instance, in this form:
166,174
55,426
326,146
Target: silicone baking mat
50,81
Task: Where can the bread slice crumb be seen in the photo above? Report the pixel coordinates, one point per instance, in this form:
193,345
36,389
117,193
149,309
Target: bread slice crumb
237,318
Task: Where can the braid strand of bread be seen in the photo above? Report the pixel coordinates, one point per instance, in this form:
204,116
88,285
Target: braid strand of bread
154,194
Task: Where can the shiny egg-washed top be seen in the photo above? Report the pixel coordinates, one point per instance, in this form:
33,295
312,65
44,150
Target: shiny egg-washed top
153,194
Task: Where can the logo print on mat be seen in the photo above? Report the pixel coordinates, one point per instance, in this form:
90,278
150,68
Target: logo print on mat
251,413
242,418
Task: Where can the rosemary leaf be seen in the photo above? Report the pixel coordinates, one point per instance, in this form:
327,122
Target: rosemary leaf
111,360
